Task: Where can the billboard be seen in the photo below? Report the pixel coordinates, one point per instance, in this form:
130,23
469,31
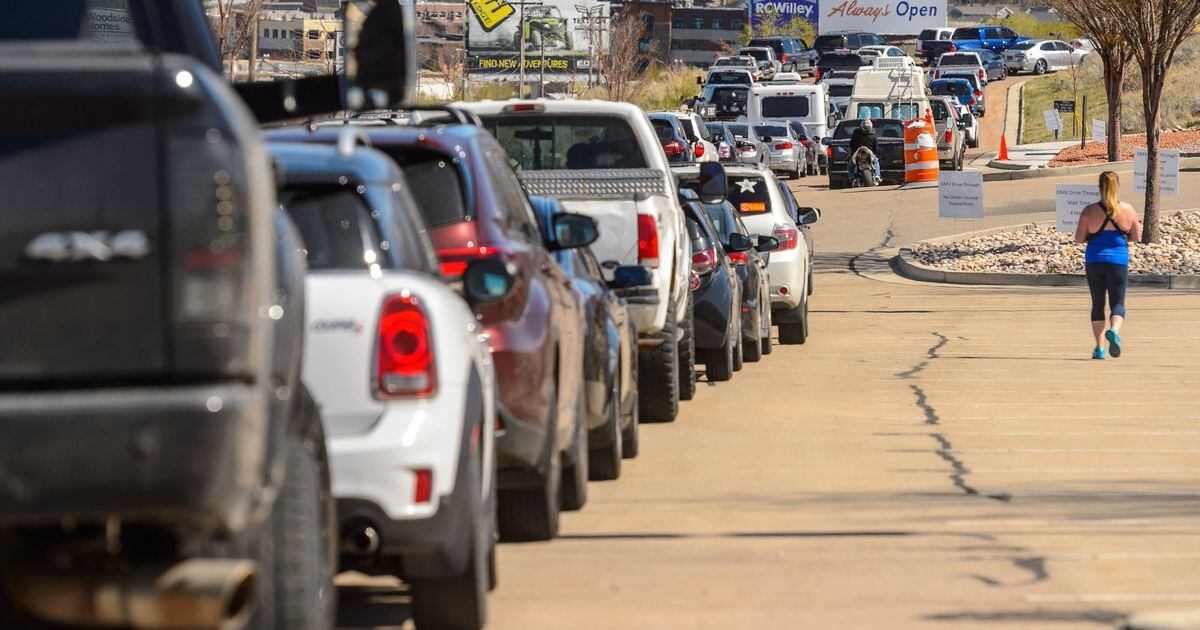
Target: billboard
885,17
785,9
567,34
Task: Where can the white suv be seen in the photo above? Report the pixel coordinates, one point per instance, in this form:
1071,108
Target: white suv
395,359
754,193
603,159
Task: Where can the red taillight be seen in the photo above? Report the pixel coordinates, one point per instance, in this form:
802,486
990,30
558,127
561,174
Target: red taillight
703,261
673,148
829,151
972,101
726,152
783,58
978,93
787,236
783,146
404,362
524,107
806,143
749,149
739,259
455,259
422,485
953,48
982,74
817,76
699,147
693,281
949,135
647,241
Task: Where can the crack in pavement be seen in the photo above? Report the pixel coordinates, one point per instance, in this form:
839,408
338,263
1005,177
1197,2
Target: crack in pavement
888,235
930,354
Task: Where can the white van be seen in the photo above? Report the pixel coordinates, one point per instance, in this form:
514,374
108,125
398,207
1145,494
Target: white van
806,104
889,92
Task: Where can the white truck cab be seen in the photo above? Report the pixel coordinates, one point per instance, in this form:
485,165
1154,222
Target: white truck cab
890,90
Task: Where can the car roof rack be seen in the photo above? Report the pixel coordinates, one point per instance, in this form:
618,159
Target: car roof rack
437,114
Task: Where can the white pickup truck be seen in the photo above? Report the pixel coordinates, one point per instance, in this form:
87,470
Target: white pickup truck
604,160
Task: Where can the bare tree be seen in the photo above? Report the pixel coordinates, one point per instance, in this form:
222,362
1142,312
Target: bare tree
1106,34
1154,30
452,64
622,65
234,26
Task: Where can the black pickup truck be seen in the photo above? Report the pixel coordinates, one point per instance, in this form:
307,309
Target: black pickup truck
889,140
161,464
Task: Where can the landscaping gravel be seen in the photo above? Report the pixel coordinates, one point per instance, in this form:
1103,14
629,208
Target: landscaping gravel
1043,249
1097,152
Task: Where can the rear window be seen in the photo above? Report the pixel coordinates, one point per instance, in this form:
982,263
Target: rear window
716,132
748,194
1023,46
883,129
956,59
336,224
740,78
841,60
773,131
551,142
966,33
830,41
939,109
439,193
774,44
951,88
86,20
784,106
663,129
712,94
760,55
928,34
738,130
841,90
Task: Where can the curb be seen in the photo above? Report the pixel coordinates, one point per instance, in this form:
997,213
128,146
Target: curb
1017,171
906,265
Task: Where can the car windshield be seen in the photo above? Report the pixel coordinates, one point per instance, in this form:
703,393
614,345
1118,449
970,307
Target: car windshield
336,225
547,142
724,93
966,33
741,78
784,106
841,60
962,59
748,194
86,20
950,88
830,41
1024,45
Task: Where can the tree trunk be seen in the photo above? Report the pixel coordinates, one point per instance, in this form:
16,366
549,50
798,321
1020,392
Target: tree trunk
1114,83
1151,95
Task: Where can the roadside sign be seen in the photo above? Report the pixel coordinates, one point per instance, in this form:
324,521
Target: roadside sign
1065,107
1069,202
960,195
1099,131
1168,171
1053,120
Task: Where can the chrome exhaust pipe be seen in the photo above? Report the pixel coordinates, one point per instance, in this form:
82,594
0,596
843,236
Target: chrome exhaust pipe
196,594
361,541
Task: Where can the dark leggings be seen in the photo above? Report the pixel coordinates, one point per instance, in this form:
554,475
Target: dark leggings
1111,278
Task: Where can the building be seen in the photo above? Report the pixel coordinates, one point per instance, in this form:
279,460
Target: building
298,36
698,34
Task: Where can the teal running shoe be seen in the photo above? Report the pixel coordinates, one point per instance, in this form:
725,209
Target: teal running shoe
1098,353
1114,343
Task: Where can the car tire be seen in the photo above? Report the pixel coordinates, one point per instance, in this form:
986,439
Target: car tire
531,514
630,436
574,486
752,350
803,172
658,376
1004,74
766,341
1040,67
958,162
460,601
718,365
808,290
796,333
687,353
974,144
604,464
737,351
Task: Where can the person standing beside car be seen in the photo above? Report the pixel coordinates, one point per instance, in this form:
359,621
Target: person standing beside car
1106,227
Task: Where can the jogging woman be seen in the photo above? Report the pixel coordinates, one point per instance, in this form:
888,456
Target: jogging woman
1105,227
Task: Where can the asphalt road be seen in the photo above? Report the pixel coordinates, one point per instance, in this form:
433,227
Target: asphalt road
935,456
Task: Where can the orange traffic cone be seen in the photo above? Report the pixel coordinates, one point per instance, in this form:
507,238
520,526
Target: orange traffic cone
1003,148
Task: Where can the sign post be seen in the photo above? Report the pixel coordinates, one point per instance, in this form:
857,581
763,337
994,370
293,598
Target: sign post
1069,202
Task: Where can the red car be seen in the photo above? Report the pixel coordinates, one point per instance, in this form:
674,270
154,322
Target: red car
474,207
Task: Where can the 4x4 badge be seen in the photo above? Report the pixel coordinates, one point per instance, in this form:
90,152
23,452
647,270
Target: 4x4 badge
88,246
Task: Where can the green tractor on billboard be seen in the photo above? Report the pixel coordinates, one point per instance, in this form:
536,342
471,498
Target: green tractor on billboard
544,25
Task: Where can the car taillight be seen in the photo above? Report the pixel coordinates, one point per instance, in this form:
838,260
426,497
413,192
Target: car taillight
726,152
699,147
783,146
455,259
787,236
673,148
423,486
806,143
829,151
693,281
817,76
749,149
972,101
953,48
937,74
739,259
647,241
982,74
404,364
704,261
978,93
949,135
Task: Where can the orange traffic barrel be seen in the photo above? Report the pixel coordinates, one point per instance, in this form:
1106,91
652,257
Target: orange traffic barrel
920,151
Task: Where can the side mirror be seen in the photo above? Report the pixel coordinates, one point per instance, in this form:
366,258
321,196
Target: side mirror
574,230
381,59
827,140
699,80
687,194
488,280
631,276
810,210
739,242
712,183
766,244
811,217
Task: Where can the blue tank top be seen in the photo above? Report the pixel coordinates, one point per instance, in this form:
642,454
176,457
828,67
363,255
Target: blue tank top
1107,246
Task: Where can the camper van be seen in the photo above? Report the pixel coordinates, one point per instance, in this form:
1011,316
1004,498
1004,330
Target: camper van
806,104
888,90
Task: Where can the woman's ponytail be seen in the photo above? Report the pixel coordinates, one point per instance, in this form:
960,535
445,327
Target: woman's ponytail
1109,187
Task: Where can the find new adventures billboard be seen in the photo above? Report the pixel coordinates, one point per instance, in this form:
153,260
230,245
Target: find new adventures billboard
885,17
567,34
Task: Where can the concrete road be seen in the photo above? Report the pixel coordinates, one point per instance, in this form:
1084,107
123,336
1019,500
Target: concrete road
991,127
935,456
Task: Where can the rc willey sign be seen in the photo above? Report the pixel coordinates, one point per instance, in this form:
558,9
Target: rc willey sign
786,9
886,17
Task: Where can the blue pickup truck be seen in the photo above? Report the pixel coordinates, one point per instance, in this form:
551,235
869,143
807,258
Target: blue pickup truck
994,38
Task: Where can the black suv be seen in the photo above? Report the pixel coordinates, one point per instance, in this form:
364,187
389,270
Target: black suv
793,53
846,40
